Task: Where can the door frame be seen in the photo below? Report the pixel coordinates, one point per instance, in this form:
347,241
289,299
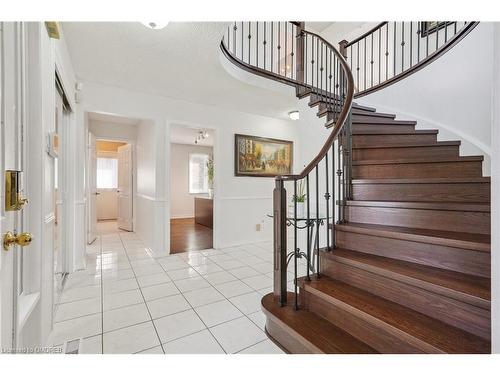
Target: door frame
88,170
216,158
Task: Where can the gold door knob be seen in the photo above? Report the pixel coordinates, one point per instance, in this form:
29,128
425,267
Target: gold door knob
21,239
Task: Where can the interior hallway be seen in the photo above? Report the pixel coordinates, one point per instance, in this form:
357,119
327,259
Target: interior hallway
127,301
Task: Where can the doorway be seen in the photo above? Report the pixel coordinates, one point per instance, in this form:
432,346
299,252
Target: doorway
112,176
191,189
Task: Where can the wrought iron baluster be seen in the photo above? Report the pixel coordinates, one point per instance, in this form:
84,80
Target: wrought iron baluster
379,54
334,240
327,199
264,43
257,43
371,61
411,44
242,44
419,32
386,50
402,46
437,35
234,38
295,249
272,45
357,68
249,42
364,63
279,47
317,221
286,49
394,65
308,227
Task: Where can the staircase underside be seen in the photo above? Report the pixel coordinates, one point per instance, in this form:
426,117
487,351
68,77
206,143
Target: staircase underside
411,271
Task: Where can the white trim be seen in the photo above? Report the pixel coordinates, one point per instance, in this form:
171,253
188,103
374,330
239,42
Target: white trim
242,198
186,216
147,197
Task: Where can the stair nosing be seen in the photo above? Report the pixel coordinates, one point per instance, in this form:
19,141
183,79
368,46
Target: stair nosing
414,237
446,159
418,342
409,145
440,206
413,281
430,180
395,132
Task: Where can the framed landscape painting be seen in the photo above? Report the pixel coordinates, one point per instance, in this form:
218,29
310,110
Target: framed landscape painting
262,157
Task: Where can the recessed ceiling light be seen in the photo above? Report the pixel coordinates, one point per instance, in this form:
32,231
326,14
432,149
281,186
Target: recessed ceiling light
155,25
294,115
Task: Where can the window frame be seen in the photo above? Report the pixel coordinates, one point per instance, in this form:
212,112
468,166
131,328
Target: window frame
113,157
205,155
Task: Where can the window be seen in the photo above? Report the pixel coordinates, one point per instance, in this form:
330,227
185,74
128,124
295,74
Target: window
107,173
198,173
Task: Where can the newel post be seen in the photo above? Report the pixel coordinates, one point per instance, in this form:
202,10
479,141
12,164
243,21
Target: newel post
279,242
343,48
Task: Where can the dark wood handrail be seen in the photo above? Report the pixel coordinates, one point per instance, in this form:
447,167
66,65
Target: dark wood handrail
397,59
340,120
375,28
342,117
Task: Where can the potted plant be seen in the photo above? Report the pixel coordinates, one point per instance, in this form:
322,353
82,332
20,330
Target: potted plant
210,172
300,198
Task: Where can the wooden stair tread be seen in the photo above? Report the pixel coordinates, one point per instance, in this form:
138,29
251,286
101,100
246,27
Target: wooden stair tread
444,337
472,241
445,206
439,180
401,145
460,286
357,112
393,132
419,160
316,331
383,122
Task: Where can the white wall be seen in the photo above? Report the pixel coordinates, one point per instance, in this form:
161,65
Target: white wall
112,131
182,201
145,221
495,196
453,94
241,202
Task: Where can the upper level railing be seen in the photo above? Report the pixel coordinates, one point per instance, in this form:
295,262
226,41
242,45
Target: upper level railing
286,52
393,50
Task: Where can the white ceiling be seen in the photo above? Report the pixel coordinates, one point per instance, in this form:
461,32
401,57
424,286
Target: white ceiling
318,27
187,136
109,118
180,61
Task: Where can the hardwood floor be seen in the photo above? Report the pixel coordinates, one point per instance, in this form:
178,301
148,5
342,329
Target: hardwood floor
186,235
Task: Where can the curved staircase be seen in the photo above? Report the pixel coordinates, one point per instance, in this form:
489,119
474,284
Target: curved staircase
408,267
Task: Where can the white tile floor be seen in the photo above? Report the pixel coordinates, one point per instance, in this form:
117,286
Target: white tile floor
127,301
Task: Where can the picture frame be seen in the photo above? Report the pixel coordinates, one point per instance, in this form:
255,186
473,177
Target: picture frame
428,27
262,157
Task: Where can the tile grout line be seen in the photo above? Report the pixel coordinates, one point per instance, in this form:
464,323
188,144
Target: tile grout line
189,303
102,299
140,290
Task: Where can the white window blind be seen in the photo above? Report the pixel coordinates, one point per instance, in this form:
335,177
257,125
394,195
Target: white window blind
198,173
107,173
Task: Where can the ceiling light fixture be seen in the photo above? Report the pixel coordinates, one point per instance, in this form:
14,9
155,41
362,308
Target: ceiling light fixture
155,25
294,115
202,134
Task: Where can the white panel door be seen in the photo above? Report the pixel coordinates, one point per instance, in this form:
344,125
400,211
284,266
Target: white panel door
19,290
92,206
125,213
